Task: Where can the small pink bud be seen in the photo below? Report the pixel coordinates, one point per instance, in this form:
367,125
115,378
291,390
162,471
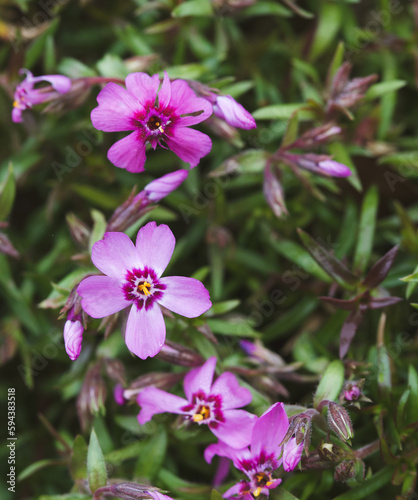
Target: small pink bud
352,392
162,187
118,395
73,335
228,109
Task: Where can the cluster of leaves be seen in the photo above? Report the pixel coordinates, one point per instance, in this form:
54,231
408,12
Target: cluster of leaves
308,279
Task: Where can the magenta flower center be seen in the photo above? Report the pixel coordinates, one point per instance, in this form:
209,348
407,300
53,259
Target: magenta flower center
142,287
205,409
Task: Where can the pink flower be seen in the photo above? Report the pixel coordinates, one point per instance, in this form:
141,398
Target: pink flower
27,96
352,392
154,114
292,453
118,395
160,188
260,460
133,278
73,334
228,109
213,404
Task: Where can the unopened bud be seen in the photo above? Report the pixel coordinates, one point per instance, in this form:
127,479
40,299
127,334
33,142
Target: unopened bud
154,379
7,248
352,392
316,136
300,427
273,191
257,351
177,354
79,231
92,396
130,491
344,471
339,421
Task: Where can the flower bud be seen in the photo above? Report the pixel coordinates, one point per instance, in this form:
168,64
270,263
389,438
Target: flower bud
158,189
115,370
273,191
292,453
6,246
73,334
316,136
344,471
78,230
339,421
300,428
258,352
92,396
154,379
318,164
228,109
352,392
118,395
178,354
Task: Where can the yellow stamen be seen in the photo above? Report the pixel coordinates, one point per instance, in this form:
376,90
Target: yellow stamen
161,129
197,418
269,483
203,413
257,492
144,288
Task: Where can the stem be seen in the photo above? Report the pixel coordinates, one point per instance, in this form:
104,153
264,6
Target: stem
367,450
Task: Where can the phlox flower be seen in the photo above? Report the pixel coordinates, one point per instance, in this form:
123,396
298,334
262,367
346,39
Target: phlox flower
133,278
73,334
212,404
262,457
156,114
228,109
27,96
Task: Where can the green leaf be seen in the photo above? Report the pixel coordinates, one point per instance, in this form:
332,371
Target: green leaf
95,196
281,112
330,18
222,307
383,88
151,455
401,406
250,161
282,494
232,326
366,231
267,9
412,406
96,466
327,260
192,71
112,65
193,8
215,495
7,194
78,460
75,69
384,376
35,467
331,383
291,130
37,47
99,227
61,290
336,62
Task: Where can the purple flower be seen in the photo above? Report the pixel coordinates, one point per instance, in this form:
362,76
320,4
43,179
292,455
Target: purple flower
352,392
73,334
133,278
228,109
292,454
27,96
118,395
213,404
162,187
155,114
260,460
318,164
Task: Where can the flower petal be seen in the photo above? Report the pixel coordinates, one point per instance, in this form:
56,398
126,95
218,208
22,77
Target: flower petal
129,153
200,379
334,168
164,95
143,87
17,114
155,246
102,296
237,428
159,188
292,454
188,144
145,331
236,490
73,338
116,109
153,401
184,102
269,430
185,296
115,254
233,395
223,450
61,83
227,108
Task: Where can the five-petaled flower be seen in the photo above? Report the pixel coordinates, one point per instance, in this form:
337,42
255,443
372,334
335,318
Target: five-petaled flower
262,458
26,95
156,114
214,404
133,278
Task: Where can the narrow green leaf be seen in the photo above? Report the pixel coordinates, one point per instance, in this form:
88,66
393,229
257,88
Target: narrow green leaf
291,130
366,231
266,8
78,461
35,467
282,494
412,406
151,455
7,194
96,466
232,326
331,383
37,47
99,227
281,112
215,495
337,60
193,8
401,406
383,88
330,18
223,307
327,260
384,375
340,154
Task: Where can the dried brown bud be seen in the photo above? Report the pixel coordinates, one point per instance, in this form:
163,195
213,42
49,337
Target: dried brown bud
273,191
92,396
115,370
344,471
178,354
79,231
301,428
330,452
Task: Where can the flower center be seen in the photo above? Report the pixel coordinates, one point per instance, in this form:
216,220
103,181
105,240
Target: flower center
203,413
154,123
144,288
261,479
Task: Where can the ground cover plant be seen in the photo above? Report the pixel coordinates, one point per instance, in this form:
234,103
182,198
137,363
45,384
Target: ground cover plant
208,249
